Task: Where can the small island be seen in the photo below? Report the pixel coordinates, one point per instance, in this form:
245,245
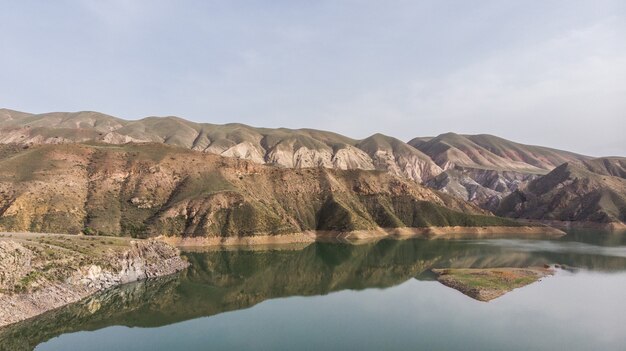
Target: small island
486,284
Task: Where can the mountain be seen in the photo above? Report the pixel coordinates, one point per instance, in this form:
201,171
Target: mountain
485,168
492,152
293,148
611,166
481,169
154,189
594,192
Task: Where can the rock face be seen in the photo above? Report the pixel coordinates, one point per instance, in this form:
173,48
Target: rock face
392,155
572,193
301,148
154,189
483,187
39,276
141,261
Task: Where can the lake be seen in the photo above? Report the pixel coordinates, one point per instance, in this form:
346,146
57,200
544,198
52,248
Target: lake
338,296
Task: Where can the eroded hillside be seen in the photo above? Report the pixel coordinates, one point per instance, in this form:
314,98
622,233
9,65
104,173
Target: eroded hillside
484,168
481,169
293,148
573,193
155,189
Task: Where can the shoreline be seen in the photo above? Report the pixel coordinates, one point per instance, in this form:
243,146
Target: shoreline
365,236
123,260
29,287
610,226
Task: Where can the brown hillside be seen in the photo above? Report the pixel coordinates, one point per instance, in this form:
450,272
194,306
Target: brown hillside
152,189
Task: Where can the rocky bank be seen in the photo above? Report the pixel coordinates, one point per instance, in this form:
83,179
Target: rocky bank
39,273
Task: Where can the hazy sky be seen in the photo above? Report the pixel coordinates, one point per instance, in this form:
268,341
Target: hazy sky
542,72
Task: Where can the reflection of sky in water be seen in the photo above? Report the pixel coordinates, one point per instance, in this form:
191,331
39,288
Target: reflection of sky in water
581,311
554,246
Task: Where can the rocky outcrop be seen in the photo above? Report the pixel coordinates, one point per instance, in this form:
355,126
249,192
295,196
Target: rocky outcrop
484,187
37,277
143,260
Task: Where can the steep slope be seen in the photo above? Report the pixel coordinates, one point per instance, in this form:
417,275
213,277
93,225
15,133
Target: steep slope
301,148
398,158
538,156
155,189
612,166
571,193
484,168
451,150
483,187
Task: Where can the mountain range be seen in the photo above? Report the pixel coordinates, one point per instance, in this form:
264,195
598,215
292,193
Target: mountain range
495,174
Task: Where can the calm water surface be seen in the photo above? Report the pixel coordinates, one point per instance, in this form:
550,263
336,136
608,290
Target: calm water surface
376,296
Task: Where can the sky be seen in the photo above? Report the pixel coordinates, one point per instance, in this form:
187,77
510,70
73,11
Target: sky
542,72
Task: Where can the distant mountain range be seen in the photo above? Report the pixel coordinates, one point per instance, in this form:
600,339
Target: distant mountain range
499,175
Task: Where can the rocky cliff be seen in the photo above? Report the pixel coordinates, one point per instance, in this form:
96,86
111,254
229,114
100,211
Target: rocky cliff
40,273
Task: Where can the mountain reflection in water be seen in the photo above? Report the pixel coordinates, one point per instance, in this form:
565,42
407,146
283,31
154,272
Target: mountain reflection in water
221,281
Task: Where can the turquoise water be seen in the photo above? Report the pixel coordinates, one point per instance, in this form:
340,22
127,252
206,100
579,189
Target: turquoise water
376,296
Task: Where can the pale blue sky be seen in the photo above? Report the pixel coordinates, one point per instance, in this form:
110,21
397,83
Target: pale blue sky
544,72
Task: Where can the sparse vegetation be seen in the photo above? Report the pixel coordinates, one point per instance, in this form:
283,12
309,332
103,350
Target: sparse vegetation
52,269
488,283
139,191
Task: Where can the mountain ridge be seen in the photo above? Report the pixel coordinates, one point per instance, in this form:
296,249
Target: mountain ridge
482,169
294,148
152,189
571,193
